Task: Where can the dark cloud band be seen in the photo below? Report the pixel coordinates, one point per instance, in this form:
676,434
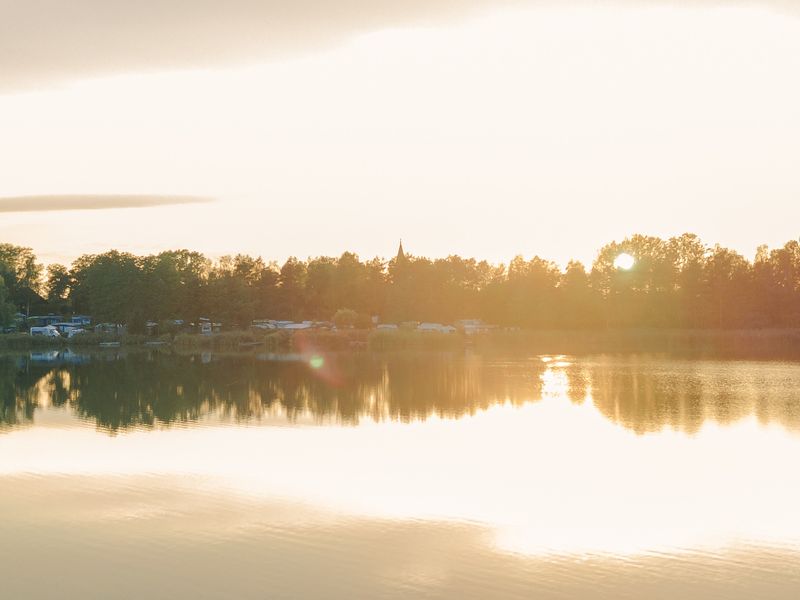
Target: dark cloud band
91,202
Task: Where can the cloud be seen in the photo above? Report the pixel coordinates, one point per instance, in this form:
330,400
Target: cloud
43,42
90,202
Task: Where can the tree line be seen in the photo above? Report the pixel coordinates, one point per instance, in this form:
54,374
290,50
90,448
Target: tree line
678,282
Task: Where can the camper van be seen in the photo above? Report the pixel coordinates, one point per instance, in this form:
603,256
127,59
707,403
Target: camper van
46,331
205,326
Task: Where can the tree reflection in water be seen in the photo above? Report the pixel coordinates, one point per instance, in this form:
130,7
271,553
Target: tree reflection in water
119,391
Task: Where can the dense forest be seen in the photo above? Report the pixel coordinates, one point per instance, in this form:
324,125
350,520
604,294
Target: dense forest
674,283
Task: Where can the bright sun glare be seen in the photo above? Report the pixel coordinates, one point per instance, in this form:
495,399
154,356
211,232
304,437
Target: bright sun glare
624,261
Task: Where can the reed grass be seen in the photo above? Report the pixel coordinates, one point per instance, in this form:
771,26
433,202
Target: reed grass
693,342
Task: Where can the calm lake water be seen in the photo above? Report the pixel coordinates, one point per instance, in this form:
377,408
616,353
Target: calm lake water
152,475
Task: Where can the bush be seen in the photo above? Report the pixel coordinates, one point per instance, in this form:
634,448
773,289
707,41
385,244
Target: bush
402,339
23,341
225,341
345,318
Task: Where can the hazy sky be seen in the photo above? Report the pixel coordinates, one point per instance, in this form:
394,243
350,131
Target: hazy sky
481,128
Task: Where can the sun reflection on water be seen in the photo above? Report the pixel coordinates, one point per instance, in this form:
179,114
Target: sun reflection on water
547,477
550,475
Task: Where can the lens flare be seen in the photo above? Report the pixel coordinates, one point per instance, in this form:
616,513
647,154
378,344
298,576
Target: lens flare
624,261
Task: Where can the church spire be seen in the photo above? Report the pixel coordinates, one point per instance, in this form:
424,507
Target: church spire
401,256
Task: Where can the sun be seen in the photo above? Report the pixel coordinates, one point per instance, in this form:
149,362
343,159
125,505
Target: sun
624,261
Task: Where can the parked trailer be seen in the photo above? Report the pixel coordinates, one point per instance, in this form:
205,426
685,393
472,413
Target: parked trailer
46,331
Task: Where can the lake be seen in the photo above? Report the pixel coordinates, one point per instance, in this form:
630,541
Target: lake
157,475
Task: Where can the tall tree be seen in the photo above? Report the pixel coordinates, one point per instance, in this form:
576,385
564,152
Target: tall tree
7,308
21,273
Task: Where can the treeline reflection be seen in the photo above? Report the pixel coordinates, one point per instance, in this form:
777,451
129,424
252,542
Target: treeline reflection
644,394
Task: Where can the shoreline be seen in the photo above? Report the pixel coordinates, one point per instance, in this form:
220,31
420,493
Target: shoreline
754,342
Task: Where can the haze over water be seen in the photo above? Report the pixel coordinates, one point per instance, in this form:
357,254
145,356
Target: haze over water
396,476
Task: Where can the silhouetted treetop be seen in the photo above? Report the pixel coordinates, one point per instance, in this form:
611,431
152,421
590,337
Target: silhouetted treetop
674,283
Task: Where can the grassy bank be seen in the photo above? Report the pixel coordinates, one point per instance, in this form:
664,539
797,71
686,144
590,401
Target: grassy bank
744,343
692,342
747,343
400,339
275,341
23,341
229,341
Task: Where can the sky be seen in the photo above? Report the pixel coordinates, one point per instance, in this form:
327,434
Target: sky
480,128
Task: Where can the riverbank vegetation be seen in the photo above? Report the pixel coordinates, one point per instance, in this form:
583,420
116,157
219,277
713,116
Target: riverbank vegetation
674,284
752,344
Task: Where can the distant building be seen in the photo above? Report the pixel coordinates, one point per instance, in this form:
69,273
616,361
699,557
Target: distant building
65,327
205,326
43,320
109,328
269,324
401,255
436,328
297,326
473,326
